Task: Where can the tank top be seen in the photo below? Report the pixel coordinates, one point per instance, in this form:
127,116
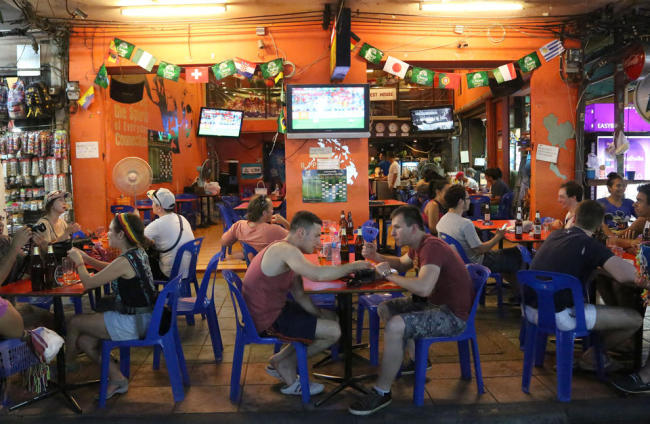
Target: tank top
137,294
265,296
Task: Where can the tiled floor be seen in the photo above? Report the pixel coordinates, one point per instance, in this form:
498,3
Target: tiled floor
150,392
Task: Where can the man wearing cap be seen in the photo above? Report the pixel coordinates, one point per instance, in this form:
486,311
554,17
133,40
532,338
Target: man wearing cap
169,232
56,229
465,180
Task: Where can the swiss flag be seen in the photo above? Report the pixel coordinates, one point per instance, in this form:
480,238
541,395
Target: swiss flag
197,74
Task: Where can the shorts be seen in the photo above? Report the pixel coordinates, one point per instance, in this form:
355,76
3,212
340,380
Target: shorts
422,319
294,324
504,260
126,327
566,319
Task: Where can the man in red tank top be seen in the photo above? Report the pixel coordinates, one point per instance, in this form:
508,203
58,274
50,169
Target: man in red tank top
276,271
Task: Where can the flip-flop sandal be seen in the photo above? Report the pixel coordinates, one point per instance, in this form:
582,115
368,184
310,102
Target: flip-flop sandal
121,387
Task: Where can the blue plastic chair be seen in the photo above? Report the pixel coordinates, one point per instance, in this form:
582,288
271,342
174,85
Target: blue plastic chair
504,210
546,284
169,342
476,202
479,275
147,215
228,218
187,209
249,252
497,277
247,334
15,356
115,209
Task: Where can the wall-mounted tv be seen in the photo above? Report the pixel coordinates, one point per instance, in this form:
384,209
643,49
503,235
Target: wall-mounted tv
433,119
328,111
220,122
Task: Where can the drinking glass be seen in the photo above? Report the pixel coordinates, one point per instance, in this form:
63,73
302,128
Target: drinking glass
58,276
69,275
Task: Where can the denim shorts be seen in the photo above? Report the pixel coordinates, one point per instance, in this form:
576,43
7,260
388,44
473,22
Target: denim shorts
423,319
126,327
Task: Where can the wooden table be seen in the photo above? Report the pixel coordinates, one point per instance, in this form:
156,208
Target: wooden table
492,225
273,197
208,199
24,288
344,301
526,238
243,206
390,204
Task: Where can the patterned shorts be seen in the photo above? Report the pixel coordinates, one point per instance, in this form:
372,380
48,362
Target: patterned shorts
422,319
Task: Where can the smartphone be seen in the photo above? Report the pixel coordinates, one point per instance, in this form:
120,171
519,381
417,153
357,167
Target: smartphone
503,227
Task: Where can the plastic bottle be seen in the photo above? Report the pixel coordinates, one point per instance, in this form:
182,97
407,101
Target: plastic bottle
336,249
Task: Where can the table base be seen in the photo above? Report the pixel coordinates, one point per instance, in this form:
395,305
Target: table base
344,383
326,360
56,389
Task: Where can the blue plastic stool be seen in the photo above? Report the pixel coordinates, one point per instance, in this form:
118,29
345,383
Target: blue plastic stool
115,209
479,275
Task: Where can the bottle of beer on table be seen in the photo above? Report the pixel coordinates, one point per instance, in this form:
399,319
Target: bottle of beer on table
486,212
519,225
343,223
646,232
350,231
358,246
345,248
537,226
50,268
37,271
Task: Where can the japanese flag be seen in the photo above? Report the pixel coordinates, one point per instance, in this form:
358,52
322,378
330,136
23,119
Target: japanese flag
396,67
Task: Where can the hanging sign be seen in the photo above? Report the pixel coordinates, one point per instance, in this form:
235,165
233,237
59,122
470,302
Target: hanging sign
383,93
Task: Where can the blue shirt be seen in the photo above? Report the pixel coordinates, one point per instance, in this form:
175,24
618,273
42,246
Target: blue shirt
385,166
625,211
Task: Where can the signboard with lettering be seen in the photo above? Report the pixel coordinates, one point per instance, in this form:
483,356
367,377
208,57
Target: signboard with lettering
383,93
599,117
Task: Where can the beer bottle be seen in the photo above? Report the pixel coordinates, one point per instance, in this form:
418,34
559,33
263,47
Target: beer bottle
345,248
350,231
37,271
646,232
486,212
50,268
343,223
519,225
358,246
537,225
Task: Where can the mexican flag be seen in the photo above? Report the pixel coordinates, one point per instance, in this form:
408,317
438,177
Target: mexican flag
143,59
396,67
272,68
370,53
169,71
102,77
422,76
477,79
224,69
123,48
449,81
505,73
529,62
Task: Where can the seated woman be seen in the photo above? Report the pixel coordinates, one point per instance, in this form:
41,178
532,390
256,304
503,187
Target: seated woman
618,209
436,208
258,230
135,297
56,229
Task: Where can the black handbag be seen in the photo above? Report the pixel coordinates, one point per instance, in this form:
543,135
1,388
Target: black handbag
154,255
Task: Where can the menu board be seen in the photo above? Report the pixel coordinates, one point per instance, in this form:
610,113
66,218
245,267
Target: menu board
324,186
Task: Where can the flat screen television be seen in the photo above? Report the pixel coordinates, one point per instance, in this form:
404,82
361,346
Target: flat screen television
479,161
220,122
433,119
328,111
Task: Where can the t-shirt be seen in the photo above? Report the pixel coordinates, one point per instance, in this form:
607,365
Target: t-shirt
384,165
499,188
164,233
569,220
471,183
464,232
257,237
265,296
624,212
454,287
394,170
570,251
52,231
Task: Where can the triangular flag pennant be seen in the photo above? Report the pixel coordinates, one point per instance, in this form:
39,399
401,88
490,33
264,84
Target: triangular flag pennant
112,56
196,74
450,81
244,68
529,62
143,59
505,73
279,77
123,48
370,53
282,124
224,69
88,97
272,68
169,71
102,77
477,79
396,67
354,39
551,50
422,76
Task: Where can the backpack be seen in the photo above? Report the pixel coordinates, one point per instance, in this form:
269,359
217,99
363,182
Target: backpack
16,101
38,101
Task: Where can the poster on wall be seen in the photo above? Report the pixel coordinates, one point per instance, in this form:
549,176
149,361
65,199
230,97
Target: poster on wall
324,186
160,155
251,171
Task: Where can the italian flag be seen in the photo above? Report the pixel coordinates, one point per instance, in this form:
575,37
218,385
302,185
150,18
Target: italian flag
505,73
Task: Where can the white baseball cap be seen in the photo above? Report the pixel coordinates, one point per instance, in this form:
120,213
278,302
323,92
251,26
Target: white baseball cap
163,198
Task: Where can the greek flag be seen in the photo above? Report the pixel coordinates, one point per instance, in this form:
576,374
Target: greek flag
551,50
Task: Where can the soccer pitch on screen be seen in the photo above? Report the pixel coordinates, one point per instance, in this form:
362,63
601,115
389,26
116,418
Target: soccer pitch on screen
328,123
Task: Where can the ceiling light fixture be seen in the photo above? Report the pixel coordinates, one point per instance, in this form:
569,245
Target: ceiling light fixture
471,6
172,11
126,3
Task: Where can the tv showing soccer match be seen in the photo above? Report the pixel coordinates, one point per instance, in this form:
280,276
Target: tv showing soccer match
328,111
220,122
433,119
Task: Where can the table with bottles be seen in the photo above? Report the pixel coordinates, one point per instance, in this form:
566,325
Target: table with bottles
338,240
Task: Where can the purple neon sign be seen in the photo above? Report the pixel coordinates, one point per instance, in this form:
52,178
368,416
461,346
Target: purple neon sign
599,117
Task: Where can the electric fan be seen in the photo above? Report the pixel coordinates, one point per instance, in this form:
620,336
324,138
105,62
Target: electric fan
205,173
132,176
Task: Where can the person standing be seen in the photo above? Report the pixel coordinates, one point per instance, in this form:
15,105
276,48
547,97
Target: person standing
383,164
394,182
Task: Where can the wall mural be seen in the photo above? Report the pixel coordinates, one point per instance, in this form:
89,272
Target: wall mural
558,134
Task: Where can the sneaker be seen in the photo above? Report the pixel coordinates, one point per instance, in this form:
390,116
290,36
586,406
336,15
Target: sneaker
370,403
409,368
630,383
270,370
295,389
